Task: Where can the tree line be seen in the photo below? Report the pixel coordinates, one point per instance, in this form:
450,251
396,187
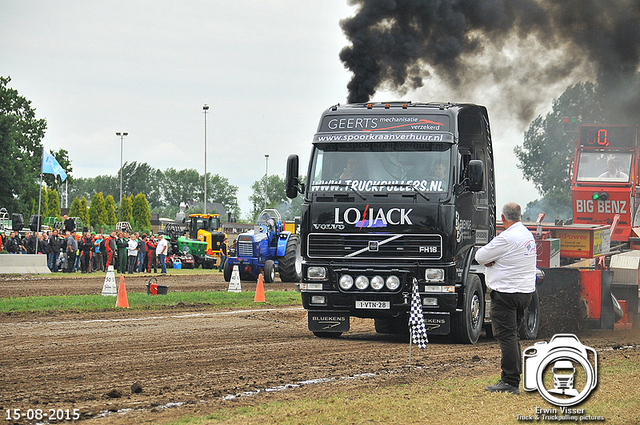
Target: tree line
99,213
164,190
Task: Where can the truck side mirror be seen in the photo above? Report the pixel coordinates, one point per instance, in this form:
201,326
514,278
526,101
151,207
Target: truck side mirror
291,178
476,175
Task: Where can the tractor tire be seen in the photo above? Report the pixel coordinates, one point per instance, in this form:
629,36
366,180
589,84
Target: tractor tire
269,271
290,265
227,272
531,321
467,325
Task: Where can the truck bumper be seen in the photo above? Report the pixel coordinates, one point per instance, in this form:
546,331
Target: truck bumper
330,311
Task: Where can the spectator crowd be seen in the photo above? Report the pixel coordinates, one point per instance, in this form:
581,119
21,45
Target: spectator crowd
70,251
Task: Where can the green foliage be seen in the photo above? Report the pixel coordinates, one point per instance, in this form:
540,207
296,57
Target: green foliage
125,208
87,187
97,212
54,204
83,213
141,213
178,183
220,190
20,143
44,203
110,211
164,190
74,209
141,178
268,192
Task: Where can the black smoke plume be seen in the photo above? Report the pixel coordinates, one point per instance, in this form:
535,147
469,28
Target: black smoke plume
398,44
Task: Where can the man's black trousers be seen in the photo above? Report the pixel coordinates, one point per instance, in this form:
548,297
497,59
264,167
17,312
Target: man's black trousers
507,312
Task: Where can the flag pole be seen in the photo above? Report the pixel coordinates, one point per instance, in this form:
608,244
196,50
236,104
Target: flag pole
410,344
39,199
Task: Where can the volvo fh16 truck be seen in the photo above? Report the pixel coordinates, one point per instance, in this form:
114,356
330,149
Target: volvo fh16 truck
395,192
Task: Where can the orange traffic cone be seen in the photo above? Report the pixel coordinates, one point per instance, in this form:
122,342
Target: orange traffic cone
259,298
122,300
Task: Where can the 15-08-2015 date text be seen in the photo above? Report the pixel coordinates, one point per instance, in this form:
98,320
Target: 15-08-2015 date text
51,415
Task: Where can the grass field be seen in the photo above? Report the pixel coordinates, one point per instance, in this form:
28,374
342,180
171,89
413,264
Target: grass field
142,301
447,401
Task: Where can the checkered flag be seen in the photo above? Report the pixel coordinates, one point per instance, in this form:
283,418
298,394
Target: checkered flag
416,319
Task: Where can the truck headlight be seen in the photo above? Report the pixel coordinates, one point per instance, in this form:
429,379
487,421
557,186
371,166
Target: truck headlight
377,282
393,282
362,282
317,273
346,282
434,275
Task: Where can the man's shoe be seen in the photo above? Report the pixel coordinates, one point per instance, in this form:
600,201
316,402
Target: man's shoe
503,387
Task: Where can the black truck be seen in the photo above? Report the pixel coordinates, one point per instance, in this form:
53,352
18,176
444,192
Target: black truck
395,192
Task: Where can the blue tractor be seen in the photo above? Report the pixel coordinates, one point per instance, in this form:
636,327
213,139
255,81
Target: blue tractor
267,247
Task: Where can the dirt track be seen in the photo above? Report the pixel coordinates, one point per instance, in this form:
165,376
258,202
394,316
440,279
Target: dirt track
198,359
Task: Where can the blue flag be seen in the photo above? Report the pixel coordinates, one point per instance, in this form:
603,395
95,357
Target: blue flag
51,166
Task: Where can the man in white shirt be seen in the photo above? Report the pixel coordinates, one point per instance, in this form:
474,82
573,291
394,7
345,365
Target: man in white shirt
132,254
161,252
510,259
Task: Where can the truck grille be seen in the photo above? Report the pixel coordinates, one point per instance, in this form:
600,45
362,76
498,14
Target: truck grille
375,246
245,249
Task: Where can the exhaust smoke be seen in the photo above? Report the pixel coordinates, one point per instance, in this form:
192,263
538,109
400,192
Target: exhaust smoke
516,46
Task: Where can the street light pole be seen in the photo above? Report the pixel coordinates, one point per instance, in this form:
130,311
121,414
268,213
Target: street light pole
205,108
121,135
266,179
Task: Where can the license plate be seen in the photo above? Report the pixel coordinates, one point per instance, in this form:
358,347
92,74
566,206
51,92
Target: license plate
374,305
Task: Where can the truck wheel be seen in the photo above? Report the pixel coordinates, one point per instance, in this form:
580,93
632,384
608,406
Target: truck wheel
227,272
269,271
290,265
467,325
327,334
531,321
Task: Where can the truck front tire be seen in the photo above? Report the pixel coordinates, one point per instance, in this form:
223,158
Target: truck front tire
467,325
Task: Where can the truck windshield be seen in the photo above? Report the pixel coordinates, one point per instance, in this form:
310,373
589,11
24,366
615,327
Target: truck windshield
381,167
604,167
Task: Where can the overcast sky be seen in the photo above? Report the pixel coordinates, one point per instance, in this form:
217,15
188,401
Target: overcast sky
267,70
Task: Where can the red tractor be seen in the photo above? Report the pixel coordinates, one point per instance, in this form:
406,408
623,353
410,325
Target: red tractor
604,178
